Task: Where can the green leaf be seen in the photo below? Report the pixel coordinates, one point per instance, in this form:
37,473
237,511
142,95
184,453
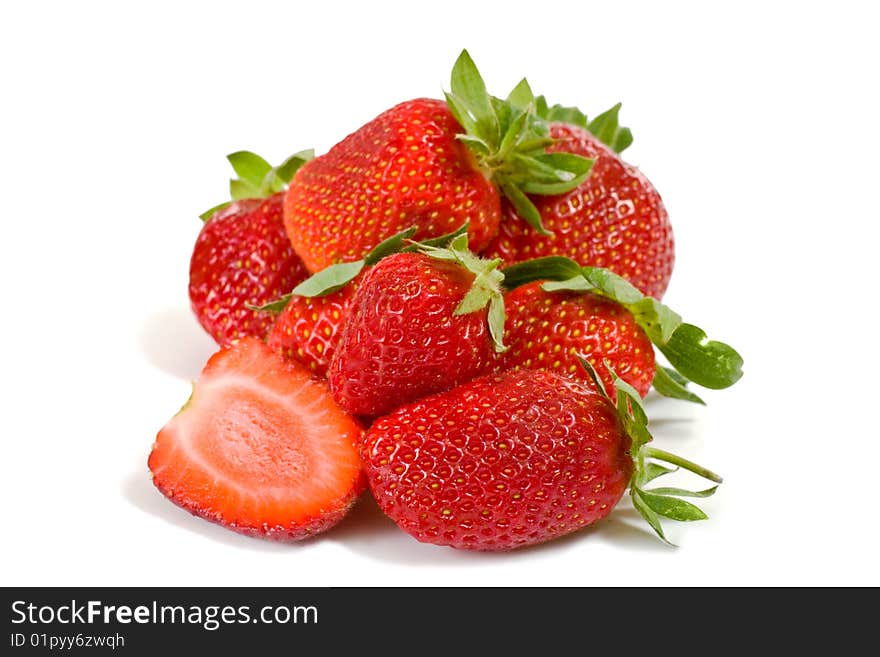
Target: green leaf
497,317
485,288
250,167
654,470
286,170
667,383
568,162
676,376
565,172
561,114
541,107
477,145
683,492
575,284
504,111
672,507
514,133
468,87
275,306
594,376
542,168
393,244
207,214
606,128
553,268
524,207
521,96
613,286
632,394
444,240
462,115
706,362
622,140
657,320
239,189
535,145
329,280
648,514
476,298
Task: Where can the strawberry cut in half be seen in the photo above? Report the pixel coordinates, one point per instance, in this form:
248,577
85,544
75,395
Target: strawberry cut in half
260,448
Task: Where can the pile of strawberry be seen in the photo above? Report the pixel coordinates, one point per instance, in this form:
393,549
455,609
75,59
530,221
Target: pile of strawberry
458,307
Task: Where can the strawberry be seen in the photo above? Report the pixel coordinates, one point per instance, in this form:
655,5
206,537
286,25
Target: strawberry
310,318
561,312
308,327
242,255
614,219
260,448
433,164
418,324
553,329
517,459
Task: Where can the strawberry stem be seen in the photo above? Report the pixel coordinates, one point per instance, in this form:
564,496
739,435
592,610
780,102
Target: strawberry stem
674,459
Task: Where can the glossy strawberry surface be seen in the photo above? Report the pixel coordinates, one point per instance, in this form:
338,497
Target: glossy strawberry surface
403,340
242,256
614,219
501,462
551,329
309,328
404,168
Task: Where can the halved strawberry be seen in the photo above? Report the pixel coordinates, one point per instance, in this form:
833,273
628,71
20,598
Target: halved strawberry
260,448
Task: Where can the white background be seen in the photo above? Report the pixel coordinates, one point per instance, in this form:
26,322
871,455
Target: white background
758,123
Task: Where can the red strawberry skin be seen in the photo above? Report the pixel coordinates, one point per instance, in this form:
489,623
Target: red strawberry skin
309,328
402,340
614,219
501,462
260,448
548,330
404,168
242,256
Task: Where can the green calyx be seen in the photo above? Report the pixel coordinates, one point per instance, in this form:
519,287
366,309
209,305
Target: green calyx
509,139
257,178
694,358
335,277
605,127
651,463
486,288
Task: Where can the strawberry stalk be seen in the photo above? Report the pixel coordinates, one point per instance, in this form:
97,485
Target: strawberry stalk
694,358
661,502
257,178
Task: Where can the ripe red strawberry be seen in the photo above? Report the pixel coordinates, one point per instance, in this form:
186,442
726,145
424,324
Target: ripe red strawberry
260,448
417,324
242,255
308,328
594,314
552,329
515,459
614,219
426,163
